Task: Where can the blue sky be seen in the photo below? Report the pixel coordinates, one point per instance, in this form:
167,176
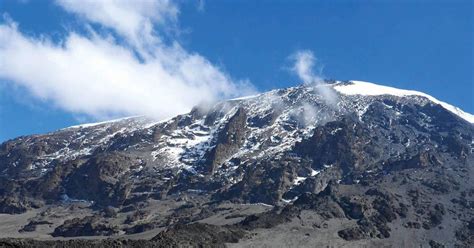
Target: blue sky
419,45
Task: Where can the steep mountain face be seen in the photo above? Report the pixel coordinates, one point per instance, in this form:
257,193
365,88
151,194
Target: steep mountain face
351,150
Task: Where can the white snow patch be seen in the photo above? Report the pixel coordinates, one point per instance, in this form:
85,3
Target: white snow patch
103,122
333,132
67,199
299,180
371,89
257,204
244,97
289,200
408,143
314,172
142,121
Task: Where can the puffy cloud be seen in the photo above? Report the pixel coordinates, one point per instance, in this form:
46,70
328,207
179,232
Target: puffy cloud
96,75
137,21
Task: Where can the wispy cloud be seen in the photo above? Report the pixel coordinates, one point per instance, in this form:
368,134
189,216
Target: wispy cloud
303,66
201,5
128,69
306,68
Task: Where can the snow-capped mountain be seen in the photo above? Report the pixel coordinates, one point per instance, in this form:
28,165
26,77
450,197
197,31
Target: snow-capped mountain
273,148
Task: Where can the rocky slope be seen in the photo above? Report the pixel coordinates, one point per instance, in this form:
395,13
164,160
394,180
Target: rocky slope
367,162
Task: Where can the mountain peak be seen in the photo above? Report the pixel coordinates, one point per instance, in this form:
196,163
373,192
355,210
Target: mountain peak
347,150
348,88
371,89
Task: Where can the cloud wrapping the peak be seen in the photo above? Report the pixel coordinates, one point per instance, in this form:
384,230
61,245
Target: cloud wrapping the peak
96,75
304,63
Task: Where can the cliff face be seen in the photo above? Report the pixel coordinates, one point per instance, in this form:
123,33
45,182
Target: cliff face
377,158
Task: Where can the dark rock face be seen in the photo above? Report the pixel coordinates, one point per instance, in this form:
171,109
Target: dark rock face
12,205
262,182
31,226
87,226
229,140
374,161
199,235
344,149
192,235
372,210
78,243
101,175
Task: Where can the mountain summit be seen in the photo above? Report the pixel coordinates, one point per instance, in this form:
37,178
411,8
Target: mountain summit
365,161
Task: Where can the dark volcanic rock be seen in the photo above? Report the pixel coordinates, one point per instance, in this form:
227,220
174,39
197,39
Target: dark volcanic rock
13,205
199,235
229,140
101,175
77,243
353,233
87,226
31,226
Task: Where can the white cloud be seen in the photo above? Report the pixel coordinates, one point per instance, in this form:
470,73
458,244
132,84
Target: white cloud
304,66
135,20
93,74
304,63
